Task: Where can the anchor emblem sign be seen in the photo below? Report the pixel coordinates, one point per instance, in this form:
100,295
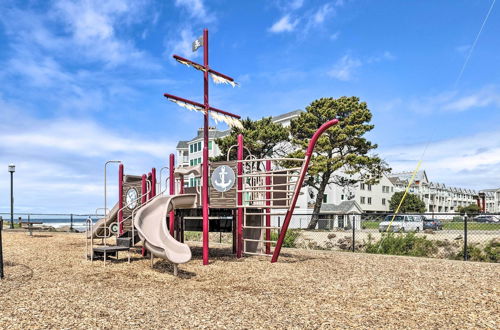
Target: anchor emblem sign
223,178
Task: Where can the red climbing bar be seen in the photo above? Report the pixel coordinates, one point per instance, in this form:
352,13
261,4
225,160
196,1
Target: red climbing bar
239,216
298,185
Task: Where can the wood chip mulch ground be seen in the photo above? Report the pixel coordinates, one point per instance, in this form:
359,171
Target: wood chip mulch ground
50,284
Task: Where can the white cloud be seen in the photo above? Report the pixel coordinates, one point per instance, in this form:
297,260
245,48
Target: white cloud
471,161
455,101
320,15
284,24
344,68
196,9
335,36
296,4
183,46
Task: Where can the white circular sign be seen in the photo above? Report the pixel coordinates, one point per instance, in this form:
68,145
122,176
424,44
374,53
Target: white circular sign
131,198
223,178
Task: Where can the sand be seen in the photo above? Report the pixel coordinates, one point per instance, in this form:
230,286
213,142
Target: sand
49,284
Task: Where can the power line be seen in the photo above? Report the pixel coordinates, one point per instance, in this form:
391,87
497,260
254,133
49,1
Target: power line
474,43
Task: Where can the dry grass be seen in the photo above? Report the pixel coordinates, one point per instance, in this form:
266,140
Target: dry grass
49,284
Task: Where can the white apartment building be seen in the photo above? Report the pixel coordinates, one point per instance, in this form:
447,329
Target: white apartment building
369,198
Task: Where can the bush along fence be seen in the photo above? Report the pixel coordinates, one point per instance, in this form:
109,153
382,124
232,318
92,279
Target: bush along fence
47,222
439,235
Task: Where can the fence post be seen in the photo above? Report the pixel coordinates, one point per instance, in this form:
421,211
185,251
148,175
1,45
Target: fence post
279,229
71,222
353,219
465,238
1,253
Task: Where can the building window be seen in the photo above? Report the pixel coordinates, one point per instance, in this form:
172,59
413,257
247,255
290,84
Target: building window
199,160
190,162
341,197
369,187
362,186
362,200
199,146
210,145
383,201
392,189
325,198
369,200
191,148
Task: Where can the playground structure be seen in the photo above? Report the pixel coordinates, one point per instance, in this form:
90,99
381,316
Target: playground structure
247,191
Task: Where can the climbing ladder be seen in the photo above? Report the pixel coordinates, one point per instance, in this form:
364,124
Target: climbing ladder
268,186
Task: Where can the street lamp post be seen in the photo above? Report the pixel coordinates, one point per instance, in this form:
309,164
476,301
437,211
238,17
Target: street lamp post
12,169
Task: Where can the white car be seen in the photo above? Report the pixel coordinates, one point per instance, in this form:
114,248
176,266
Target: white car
402,223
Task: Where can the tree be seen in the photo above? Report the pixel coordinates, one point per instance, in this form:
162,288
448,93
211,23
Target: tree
411,204
262,138
341,147
469,209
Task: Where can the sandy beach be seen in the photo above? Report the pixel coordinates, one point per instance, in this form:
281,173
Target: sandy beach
50,284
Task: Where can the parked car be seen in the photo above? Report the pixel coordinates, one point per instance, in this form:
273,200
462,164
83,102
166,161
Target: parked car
402,223
486,218
433,224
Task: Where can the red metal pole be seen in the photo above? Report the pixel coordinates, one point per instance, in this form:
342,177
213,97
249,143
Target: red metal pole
239,216
151,187
171,215
484,203
153,182
120,198
268,203
298,185
205,151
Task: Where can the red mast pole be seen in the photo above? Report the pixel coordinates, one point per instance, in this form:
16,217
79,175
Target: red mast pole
239,215
204,187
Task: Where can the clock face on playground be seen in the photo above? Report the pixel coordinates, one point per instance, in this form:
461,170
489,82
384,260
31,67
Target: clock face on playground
131,198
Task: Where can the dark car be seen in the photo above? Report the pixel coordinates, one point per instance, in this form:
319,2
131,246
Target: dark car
433,224
486,218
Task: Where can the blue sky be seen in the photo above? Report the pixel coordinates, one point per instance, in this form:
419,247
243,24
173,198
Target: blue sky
81,82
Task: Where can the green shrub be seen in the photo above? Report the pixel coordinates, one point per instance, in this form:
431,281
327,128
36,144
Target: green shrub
192,236
290,237
492,251
474,253
402,244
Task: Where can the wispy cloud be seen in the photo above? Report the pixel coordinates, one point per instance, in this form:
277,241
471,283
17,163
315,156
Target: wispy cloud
456,101
344,68
196,9
471,161
284,24
183,45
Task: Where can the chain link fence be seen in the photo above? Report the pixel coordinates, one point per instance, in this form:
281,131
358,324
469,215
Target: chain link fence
439,235
47,222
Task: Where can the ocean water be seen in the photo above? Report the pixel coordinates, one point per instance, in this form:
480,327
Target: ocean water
79,222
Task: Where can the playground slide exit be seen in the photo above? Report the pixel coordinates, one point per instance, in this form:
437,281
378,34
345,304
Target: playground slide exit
150,222
100,228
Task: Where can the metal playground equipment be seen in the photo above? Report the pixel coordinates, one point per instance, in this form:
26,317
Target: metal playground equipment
247,191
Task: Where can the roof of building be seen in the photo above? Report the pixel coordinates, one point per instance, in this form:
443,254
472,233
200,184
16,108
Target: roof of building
344,207
287,115
212,134
406,176
182,145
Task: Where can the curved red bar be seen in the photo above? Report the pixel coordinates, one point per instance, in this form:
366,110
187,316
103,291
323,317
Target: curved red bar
298,186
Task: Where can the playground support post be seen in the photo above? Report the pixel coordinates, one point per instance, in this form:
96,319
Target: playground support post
205,150
268,203
12,169
298,185
120,198
353,219
171,215
153,182
239,216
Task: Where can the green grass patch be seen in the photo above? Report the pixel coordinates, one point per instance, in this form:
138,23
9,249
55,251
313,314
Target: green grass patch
471,226
370,224
402,244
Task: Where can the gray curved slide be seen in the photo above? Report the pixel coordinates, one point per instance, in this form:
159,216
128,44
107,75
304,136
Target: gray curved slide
151,224
99,229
